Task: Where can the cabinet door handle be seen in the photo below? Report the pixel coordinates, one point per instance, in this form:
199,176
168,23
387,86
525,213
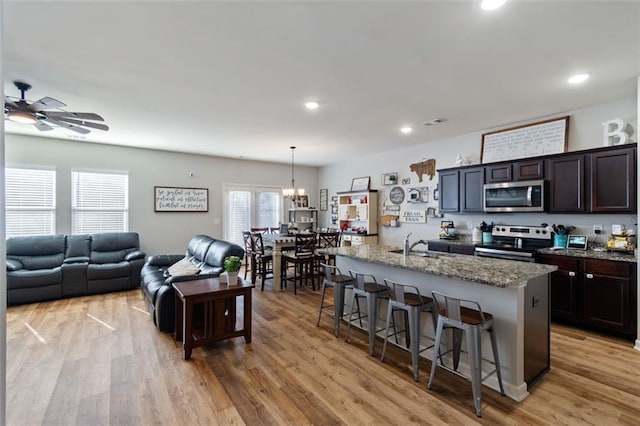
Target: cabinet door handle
589,276
572,274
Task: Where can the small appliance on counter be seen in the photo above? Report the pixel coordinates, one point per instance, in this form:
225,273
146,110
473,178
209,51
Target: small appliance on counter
447,230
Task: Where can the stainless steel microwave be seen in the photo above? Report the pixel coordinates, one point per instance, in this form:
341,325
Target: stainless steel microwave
525,196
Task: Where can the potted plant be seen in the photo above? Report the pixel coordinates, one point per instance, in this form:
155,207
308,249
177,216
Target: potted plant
231,266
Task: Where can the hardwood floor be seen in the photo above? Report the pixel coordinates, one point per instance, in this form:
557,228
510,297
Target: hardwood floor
99,360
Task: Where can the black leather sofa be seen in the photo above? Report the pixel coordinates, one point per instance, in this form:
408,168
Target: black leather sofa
204,252
47,267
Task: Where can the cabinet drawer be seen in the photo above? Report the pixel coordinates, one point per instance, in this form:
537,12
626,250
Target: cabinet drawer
357,239
563,263
603,267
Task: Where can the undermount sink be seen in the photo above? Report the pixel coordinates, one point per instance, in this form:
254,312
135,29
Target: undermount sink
415,253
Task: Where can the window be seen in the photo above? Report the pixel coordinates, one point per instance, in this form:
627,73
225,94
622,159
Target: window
251,207
99,202
30,197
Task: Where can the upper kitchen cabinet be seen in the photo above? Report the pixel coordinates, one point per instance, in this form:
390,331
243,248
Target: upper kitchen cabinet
528,170
613,181
448,186
567,184
471,183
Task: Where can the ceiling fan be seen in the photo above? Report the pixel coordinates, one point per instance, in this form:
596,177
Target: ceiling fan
47,113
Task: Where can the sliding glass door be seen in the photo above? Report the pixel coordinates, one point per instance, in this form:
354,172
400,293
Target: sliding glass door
249,207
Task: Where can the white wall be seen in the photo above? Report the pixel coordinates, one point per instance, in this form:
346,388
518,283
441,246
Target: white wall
159,232
585,131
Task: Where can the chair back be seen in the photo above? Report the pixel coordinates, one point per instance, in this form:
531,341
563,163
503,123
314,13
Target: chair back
401,292
451,307
261,230
330,273
359,279
257,243
328,239
305,244
248,245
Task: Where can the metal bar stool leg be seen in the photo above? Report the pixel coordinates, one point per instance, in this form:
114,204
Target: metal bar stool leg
436,351
324,290
496,360
475,361
414,330
386,332
354,297
372,312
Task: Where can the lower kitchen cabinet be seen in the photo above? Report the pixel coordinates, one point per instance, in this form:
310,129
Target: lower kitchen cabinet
595,293
446,247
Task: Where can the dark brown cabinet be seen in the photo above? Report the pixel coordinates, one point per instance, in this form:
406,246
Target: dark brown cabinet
613,181
528,170
564,287
471,183
456,248
498,173
448,186
600,294
567,184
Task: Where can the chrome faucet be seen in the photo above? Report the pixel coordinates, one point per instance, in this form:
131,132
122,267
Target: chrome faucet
407,249
419,242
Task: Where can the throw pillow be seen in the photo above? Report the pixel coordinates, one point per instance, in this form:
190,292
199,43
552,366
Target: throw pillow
183,267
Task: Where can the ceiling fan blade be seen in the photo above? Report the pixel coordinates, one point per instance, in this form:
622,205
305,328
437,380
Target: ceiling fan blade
68,126
46,103
83,123
42,126
78,115
9,103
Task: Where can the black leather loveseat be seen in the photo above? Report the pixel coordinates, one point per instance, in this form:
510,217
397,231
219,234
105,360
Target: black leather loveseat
204,252
47,267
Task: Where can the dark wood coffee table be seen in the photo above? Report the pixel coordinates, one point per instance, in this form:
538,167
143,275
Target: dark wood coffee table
206,312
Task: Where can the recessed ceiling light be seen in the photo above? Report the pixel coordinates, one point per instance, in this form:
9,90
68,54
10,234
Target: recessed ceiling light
491,4
406,130
311,105
578,78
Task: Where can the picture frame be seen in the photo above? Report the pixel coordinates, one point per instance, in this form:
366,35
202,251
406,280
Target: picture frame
528,140
324,199
180,199
406,181
360,183
390,178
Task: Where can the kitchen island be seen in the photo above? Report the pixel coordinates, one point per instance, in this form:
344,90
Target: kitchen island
516,293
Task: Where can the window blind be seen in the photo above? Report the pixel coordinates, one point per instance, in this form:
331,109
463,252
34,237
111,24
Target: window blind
30,200
250,206
99,202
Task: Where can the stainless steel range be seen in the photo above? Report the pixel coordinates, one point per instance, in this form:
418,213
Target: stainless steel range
515,242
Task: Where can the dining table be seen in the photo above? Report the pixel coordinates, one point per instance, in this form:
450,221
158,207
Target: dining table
277,243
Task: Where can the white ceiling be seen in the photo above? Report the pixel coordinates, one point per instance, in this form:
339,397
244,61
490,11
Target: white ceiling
230,78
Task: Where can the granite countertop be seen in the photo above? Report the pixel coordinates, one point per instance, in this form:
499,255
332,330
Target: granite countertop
592,254
494,272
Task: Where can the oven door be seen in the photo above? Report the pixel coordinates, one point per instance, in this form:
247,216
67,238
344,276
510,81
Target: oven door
504,254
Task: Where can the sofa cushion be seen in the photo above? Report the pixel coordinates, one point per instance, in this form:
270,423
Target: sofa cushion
108,270
197,248
37,252
112,247
219,250
25,278
78,246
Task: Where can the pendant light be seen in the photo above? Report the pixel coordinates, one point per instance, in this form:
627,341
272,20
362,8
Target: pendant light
290,192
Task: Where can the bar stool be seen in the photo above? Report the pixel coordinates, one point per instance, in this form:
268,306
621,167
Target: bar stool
453,315
338,281
408,298
248,252
262,259
365,285
303,260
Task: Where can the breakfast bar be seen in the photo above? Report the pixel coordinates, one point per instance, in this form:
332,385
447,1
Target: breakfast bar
516,293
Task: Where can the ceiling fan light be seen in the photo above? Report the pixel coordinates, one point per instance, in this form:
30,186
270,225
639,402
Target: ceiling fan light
21,117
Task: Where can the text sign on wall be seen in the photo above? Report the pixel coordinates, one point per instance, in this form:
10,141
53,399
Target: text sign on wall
413,216
172,199
531,140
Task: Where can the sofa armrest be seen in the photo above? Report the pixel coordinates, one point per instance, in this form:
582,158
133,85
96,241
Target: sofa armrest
134,255
78,259
164,259
13,265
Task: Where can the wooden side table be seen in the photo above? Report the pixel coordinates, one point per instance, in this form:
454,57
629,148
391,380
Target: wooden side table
217,318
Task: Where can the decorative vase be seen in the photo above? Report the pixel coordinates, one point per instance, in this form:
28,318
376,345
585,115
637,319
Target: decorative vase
560,241
232,277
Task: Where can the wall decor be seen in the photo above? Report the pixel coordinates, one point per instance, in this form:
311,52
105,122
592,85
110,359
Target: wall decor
418,195
425,167
529,140
178,199
614,132
324,199
406,181
414,216
396,195
436,194
299,201
390,178
360,184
